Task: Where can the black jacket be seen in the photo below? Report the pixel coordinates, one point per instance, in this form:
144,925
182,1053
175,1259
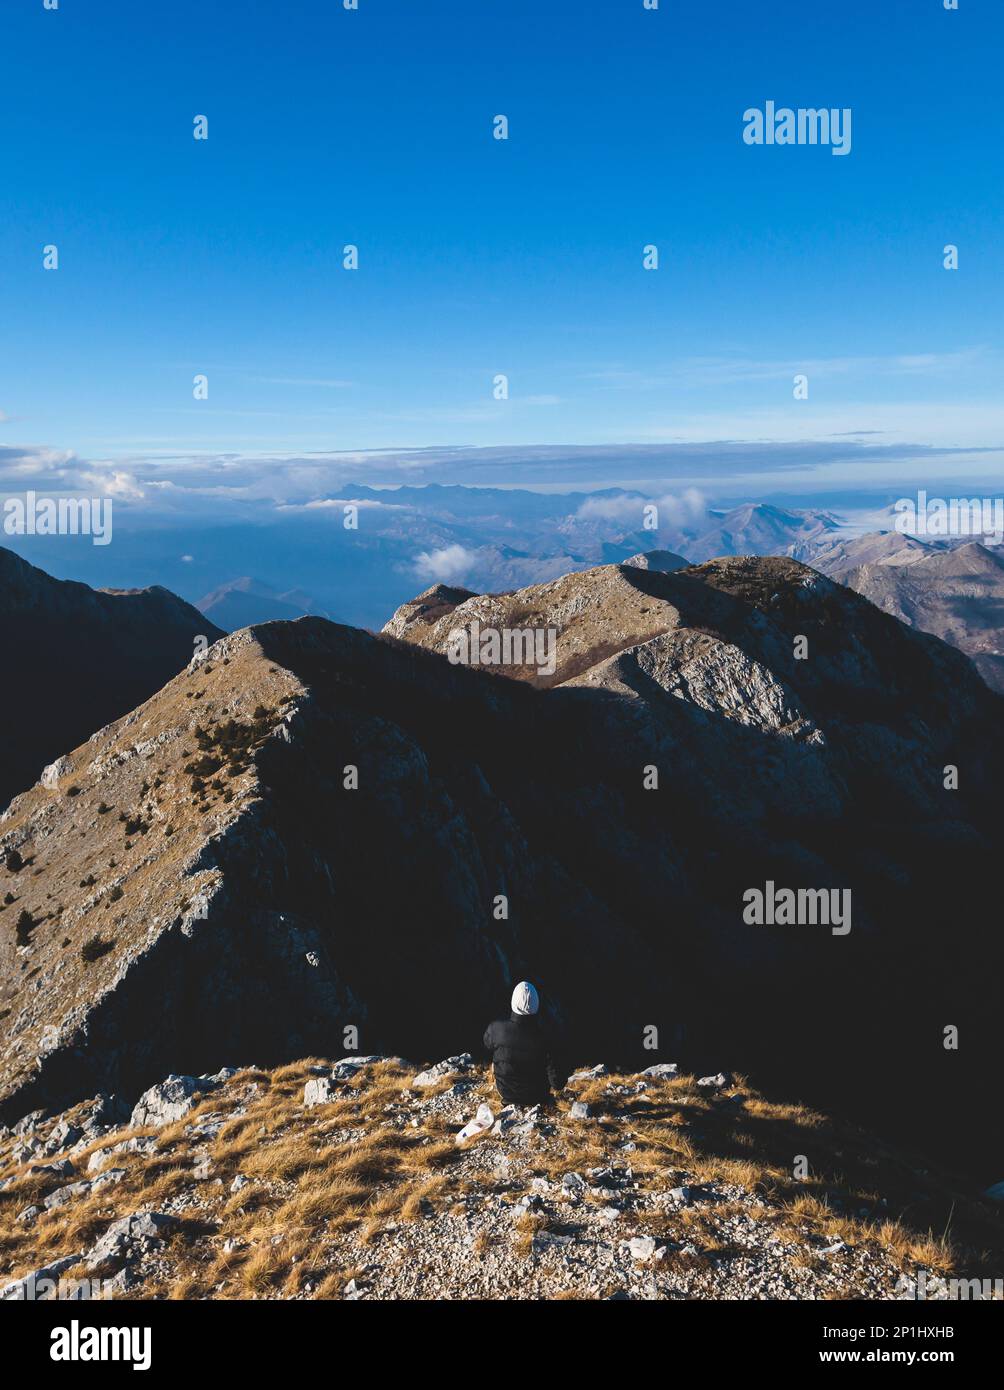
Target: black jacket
526,1065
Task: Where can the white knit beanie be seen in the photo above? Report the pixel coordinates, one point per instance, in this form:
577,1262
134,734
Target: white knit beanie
524,998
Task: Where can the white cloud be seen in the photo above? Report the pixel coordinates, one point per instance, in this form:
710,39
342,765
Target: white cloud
115,483
442,566
674,509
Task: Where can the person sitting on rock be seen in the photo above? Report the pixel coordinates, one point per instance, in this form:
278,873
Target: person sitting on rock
526,1068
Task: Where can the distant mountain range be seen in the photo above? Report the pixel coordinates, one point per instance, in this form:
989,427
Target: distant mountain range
955,592
757,528
244,601
407,538
76,658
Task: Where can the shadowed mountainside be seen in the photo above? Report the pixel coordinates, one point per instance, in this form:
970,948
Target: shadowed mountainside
210,857
77,657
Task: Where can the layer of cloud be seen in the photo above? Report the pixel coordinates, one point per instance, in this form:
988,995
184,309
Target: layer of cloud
234,486
676,509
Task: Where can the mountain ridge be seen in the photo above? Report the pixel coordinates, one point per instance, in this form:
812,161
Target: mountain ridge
116,647
240,879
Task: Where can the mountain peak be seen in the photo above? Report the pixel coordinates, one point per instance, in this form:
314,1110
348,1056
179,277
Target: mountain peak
120,645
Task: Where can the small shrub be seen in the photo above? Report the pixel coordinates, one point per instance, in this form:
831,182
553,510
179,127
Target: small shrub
24,927
204,766
14,862
95,948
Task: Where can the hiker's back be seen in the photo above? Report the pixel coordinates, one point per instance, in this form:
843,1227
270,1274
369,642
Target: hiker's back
519,1051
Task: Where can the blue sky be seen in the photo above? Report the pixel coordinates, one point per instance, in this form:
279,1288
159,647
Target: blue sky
479,256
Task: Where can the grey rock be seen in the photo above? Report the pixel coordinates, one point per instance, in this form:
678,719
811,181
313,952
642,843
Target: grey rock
22,1289
123,1281
139,1143
320,1090
505,1119
129,1236
591,1074
53,772
63,1195
463,1061
166,1102
209,1083
29,1123
62,1168
642,1248
63,1135
579,1110
543,1239
662,1070
108,1110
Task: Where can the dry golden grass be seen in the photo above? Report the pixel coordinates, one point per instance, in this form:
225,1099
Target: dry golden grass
330,1180
316,1204
934,1253
416,1194
333,1285
262,1270
530,1224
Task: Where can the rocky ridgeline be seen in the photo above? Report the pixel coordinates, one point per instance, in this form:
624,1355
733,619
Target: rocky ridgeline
366,1179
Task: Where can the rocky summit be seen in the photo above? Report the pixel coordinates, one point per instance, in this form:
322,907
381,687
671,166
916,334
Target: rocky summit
315,833
369,1178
